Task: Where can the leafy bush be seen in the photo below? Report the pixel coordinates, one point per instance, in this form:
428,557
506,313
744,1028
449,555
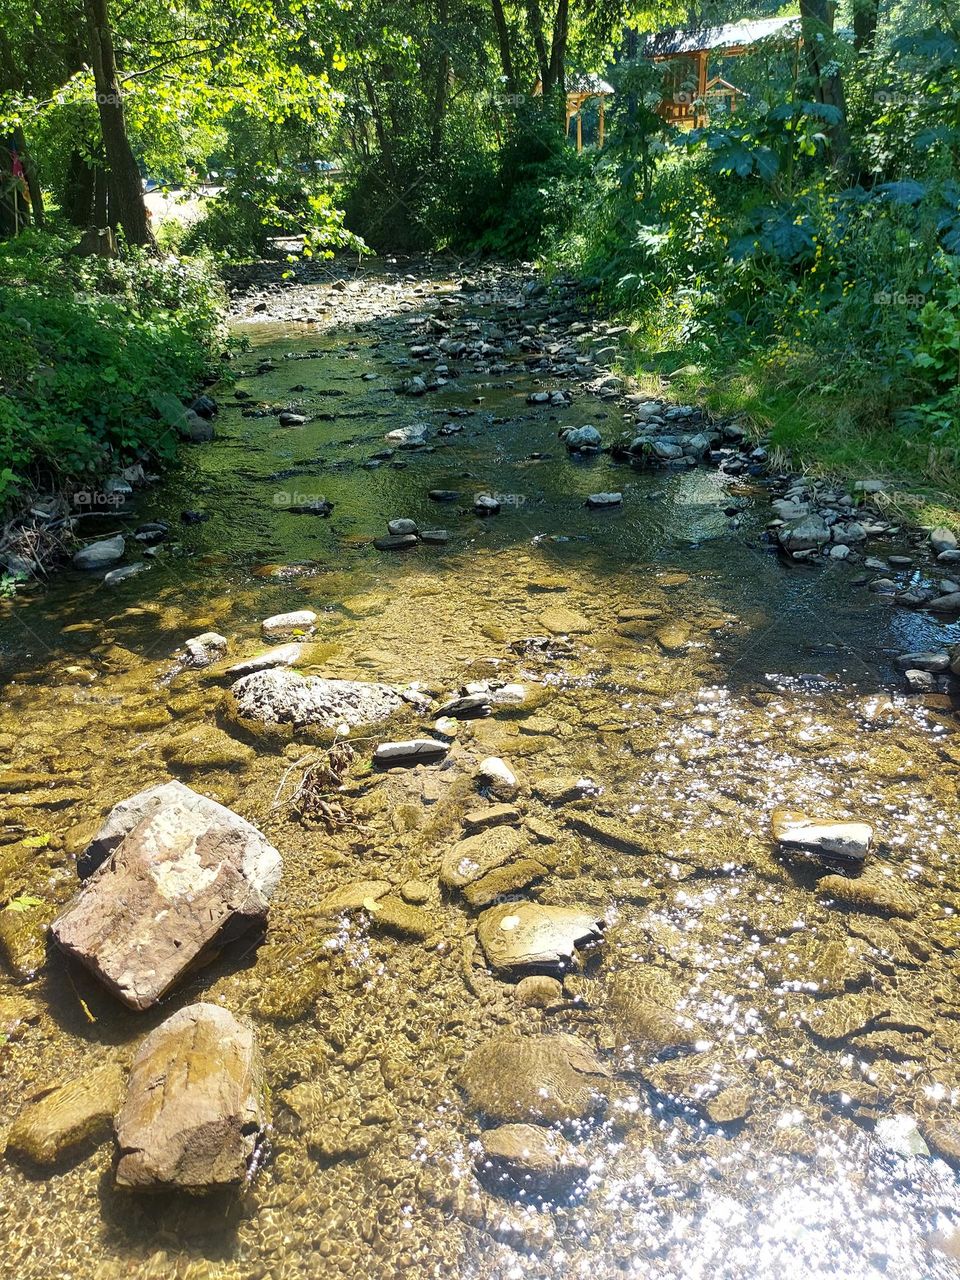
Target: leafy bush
85,346
824,306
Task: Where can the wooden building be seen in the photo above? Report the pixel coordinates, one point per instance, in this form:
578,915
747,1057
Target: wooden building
691,88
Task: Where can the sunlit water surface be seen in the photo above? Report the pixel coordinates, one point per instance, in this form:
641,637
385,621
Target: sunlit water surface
764,690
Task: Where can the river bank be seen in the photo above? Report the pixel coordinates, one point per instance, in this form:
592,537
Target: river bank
769,1036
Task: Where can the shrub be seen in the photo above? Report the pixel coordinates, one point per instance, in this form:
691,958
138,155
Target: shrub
85,347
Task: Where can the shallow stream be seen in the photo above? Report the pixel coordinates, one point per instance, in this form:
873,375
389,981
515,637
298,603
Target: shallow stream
702,682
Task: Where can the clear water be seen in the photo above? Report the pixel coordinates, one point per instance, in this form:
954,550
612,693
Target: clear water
760,694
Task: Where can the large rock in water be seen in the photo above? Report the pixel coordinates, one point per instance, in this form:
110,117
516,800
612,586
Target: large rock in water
173,874
647,1011
544,1079
66,1117
194,1112
532,935
530,1156
285,702
808,533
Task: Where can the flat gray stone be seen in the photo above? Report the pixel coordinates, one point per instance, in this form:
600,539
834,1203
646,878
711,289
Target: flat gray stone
413,751
100,555
284,655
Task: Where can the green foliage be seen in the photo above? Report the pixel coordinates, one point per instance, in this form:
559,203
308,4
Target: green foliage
829,310
533,193
84,345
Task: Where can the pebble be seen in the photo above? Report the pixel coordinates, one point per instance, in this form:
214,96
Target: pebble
396,542
286,624
401,526
495,774
413,751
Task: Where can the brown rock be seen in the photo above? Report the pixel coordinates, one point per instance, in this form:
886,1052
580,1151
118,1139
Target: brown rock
549,1079
194,1113
884,896
527,1154
517,935
187,876
648,1015
472,858
493,816
67,1115
503,880
539,991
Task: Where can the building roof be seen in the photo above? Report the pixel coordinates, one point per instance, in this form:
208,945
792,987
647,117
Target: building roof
589,83
733,35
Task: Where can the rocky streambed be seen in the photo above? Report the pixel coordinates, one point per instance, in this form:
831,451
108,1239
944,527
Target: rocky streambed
491,833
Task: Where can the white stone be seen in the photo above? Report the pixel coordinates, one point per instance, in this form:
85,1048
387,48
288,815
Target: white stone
285,624
795,830
413,751
498,776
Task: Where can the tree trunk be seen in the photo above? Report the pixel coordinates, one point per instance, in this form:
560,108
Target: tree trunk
78,191
443,82
816,18
865,13
126,188
503,43
556,74
535,19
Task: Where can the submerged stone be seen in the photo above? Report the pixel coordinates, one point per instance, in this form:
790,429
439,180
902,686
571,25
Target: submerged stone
528,1155
473,857
502,881
547,1079
646,1011
528,935
194,1113
67,1116
884,896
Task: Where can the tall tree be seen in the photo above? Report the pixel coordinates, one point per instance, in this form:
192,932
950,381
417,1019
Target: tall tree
816,19
125,185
